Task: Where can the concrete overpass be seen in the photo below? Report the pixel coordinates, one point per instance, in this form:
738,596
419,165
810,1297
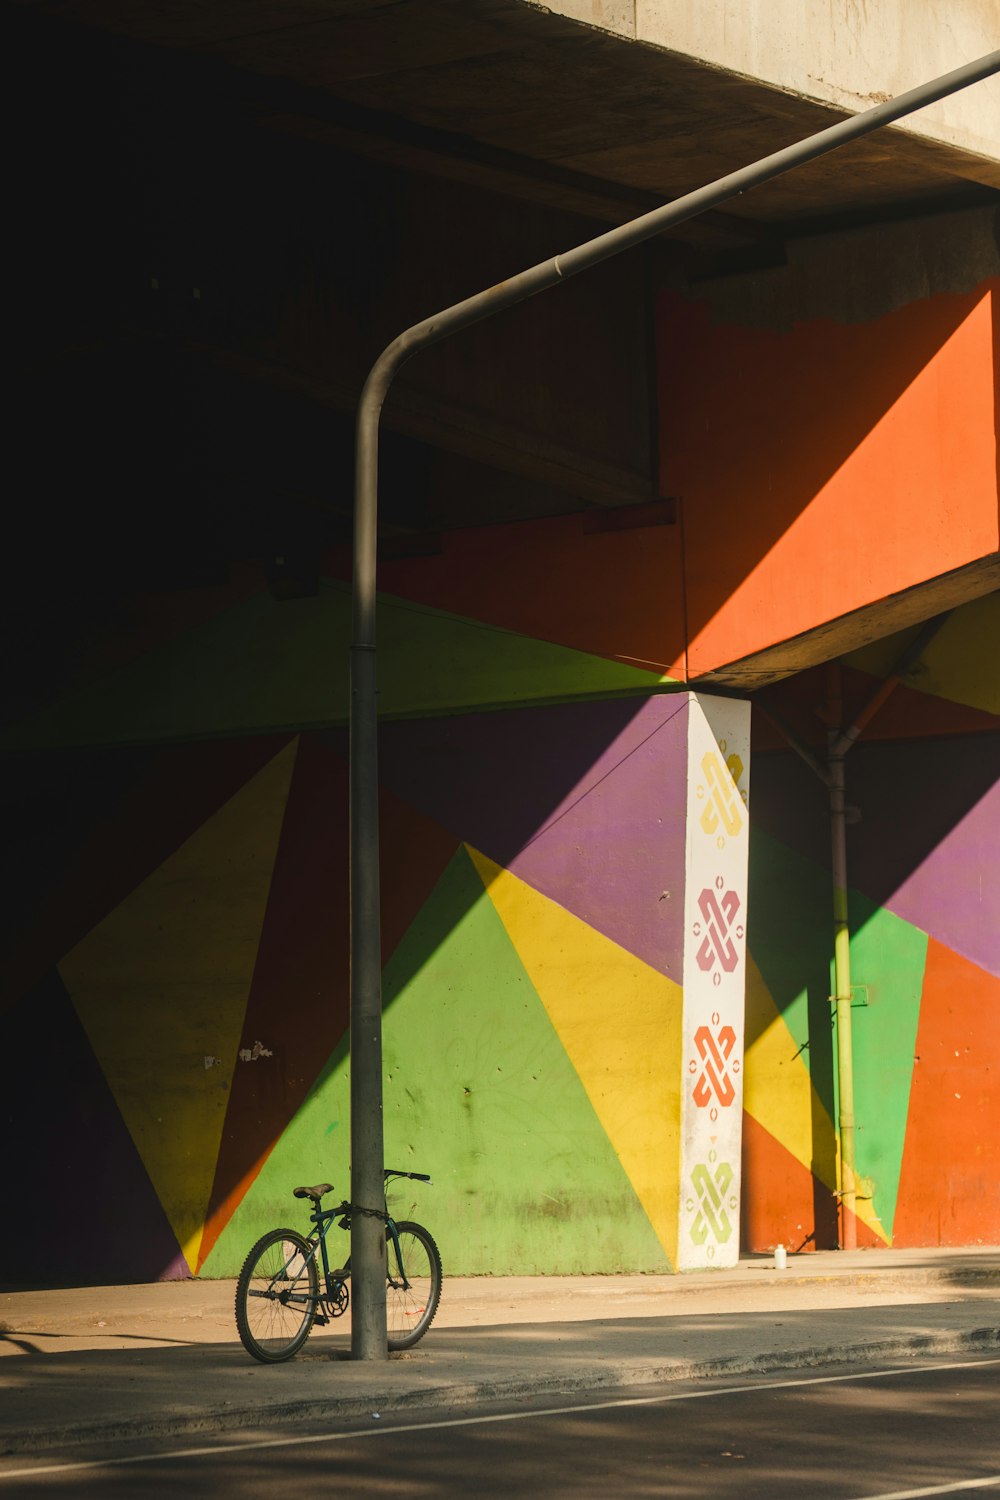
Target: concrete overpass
725,459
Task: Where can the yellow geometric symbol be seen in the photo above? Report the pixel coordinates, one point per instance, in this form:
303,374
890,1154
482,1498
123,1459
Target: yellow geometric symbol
722,812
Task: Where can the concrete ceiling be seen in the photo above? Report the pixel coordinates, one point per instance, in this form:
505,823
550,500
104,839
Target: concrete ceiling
518,100
581,128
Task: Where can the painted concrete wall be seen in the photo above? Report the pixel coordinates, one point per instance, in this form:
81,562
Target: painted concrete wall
829,450
870,51
184,971
924,874
539,611
177,986
827,439
176,977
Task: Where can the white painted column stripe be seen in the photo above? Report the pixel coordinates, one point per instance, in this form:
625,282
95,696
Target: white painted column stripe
715,904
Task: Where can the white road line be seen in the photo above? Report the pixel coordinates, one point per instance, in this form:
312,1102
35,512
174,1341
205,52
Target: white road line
259,1444
940,1489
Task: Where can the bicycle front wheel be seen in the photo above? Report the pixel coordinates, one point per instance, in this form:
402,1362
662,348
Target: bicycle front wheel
413,1285
276,1296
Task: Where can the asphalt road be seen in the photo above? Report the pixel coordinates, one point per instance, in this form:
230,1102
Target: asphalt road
892,1434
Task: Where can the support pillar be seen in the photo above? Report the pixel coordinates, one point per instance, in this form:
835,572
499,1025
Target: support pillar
714,981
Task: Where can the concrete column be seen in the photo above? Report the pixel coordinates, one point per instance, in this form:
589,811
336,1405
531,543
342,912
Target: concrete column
714,969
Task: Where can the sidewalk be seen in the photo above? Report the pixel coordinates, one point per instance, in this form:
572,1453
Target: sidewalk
106,1363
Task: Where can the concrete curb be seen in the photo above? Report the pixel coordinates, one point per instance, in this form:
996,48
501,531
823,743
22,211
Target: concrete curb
611,1376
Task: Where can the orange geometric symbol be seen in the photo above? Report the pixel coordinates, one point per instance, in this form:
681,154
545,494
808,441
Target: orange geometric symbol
714,1078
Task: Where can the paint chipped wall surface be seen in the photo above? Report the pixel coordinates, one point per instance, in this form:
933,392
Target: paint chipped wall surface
555,1038
534,913
182,970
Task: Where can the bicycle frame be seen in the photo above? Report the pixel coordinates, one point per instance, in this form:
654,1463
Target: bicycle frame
331,1302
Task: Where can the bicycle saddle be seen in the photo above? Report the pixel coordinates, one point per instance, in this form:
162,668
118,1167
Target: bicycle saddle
315,1193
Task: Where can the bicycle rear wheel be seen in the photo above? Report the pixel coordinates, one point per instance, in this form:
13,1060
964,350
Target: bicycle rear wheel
276,1296
413,1285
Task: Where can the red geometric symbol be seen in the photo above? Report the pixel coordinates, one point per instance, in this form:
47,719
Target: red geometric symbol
714,1078
717,945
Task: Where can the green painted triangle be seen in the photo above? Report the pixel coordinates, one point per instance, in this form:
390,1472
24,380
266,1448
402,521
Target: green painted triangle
480,1093
434,662
888,958
265,665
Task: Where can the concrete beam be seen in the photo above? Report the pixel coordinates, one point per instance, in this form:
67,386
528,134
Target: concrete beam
840,52
859,628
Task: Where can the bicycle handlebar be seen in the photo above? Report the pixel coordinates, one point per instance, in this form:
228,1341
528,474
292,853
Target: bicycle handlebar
414,1176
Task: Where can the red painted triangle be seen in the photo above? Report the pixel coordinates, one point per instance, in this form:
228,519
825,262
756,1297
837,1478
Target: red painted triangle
299,1004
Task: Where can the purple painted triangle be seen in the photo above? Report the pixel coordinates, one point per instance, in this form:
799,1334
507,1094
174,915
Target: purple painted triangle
945,894
580,801
925,847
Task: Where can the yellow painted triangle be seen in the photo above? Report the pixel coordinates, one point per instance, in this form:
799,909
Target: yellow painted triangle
161,987
778,1090
620,1023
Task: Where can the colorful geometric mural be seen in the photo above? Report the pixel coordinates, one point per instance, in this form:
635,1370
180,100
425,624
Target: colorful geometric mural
532,1020
924,871
608,591
140,982
565,947
249,664
857,460
181,966
953,1108
480,1091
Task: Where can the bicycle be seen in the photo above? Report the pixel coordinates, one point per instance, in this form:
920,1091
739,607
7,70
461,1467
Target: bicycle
278,1297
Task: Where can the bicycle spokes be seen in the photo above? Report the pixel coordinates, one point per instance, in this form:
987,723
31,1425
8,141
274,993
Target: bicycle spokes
277,1296
413,1284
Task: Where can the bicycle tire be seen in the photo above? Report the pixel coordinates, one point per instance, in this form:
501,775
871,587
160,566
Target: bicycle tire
270,1327
410,1307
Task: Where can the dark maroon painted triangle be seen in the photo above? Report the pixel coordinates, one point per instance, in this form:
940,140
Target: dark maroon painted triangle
86,829
299,1000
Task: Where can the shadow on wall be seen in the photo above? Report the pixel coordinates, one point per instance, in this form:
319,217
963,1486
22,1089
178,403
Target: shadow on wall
928,811
771,467
924,917
123,867
559,797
